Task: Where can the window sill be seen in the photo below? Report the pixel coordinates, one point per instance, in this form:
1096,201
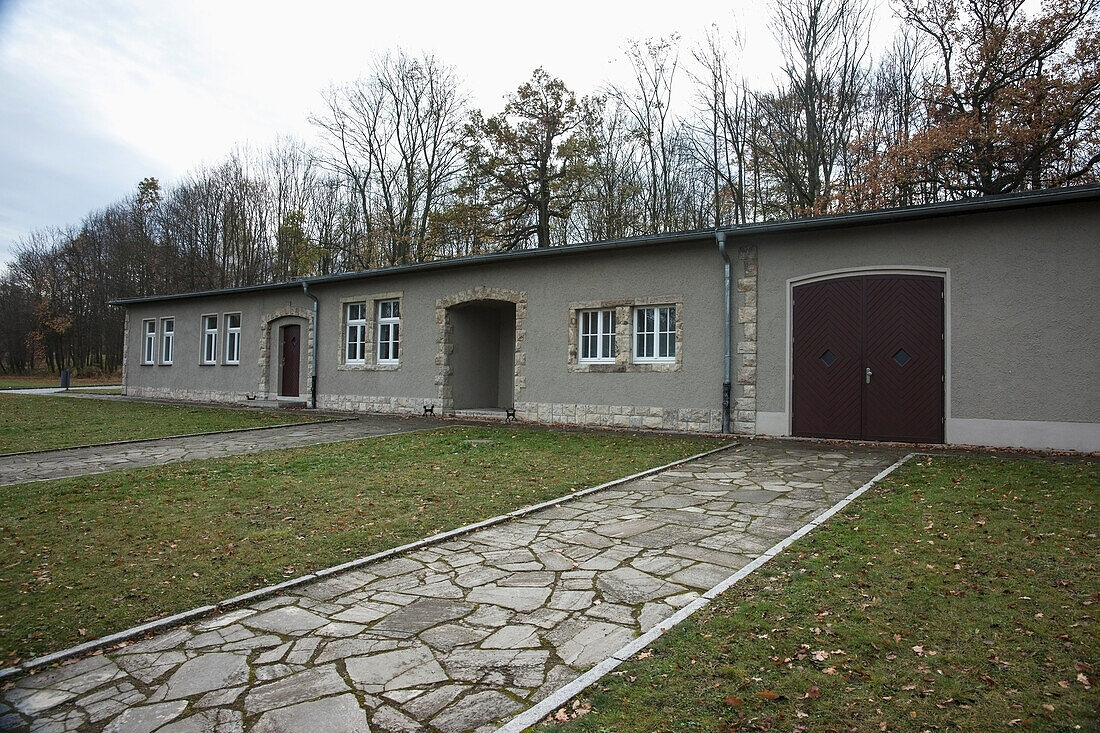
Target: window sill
367,367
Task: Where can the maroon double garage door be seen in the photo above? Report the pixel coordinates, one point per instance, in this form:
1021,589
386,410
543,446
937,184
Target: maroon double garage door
868,357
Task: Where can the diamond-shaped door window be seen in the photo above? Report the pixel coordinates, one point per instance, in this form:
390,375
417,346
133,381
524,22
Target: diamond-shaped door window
902,357
828,358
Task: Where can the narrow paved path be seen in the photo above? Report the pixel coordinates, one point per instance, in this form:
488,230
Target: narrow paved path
70,462
463,634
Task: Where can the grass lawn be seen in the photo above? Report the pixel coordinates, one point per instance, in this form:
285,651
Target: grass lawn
81,558
42,422
959,594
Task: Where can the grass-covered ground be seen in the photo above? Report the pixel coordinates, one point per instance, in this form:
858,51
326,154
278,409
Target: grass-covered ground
81,558
35,381
959,594
43,422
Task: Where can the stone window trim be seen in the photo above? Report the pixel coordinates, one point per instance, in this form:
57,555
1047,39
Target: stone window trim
208,355
167,340
624,336
232,338
370,361
148,341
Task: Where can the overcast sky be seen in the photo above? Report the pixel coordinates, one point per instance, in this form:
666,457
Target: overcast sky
97,95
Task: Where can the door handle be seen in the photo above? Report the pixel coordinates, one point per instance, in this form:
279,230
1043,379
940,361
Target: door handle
867,375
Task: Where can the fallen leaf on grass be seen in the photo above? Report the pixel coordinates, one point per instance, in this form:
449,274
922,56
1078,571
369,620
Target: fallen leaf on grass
768,695
813,693
732,701
645,655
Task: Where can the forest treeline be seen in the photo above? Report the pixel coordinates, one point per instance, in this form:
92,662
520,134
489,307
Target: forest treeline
973,98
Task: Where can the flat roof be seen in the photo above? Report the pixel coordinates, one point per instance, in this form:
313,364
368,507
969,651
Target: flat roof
835,221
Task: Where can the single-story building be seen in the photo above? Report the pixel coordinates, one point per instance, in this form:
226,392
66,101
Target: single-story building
971,322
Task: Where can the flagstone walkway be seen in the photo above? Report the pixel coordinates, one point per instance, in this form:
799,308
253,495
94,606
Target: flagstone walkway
65,463
460,635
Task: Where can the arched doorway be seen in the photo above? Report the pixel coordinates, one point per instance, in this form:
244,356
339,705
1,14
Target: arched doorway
481,349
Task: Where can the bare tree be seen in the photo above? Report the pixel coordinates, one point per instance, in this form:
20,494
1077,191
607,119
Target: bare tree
395,136
807,122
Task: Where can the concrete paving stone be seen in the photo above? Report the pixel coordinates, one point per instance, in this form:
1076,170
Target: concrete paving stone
631,586
554,561
396,599
303,650
474,710
36,702
269,672
524,668
340,713
396,670
365,612
520,636
101,668
208,672
396,566
11,721
614,612
356,647
210,721
492,617
545,618
571,600
586,538
151,667
533,579
274,655
582,644
517,599
434,700
387,720
438,589
265,641
653,613
146,718
340,629
219,698
288,620
422,614
308,685
446,637
623,528
60,722
728,555
701,575
111,706
471,577
556,678
224,619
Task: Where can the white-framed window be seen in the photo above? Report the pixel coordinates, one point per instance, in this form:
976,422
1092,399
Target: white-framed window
355,347
149,342
210,339
597,336
167,339
389,331
232,338
655,333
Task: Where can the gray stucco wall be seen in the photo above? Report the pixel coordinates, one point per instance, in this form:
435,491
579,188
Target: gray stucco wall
1023,332
686,397
1022,315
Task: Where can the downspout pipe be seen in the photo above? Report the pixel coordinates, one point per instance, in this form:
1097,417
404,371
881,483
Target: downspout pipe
727,385
313,348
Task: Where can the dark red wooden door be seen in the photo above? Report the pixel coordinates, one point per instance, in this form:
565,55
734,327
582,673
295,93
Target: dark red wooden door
868,358
291,351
